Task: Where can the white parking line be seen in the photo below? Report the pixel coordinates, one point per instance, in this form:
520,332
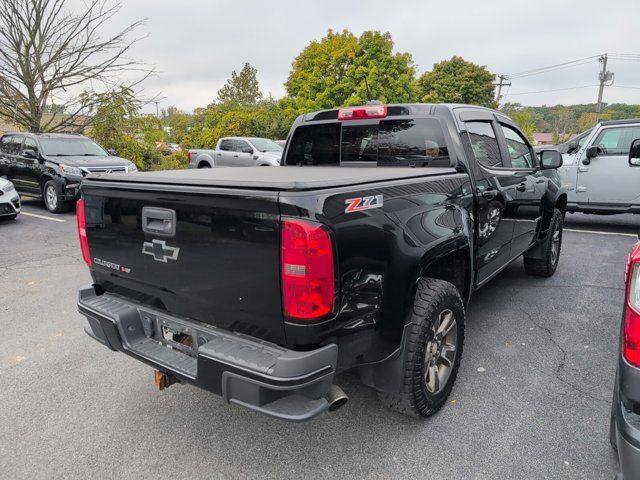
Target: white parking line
595,232
42,216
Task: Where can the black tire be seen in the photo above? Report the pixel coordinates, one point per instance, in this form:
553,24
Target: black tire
204,165
546,266
417,396
52,198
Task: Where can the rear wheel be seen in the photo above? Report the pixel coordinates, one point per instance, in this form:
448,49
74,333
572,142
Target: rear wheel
204,165
52,197
434,350
547,264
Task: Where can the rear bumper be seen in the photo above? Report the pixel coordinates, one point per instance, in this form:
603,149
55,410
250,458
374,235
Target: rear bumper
243,370
627,422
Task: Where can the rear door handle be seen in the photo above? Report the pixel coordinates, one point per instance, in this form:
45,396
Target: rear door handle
159,221
522,187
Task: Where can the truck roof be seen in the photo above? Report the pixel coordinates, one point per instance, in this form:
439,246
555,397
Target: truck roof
621,122
286,178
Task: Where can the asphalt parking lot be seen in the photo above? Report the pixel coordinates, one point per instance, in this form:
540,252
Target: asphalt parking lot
531,401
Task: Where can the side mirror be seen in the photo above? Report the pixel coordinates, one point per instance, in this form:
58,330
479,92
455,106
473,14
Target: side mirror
112,152
550,159
247,150
593,151
634,153
28,153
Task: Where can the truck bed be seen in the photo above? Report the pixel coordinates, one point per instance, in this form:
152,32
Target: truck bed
287,178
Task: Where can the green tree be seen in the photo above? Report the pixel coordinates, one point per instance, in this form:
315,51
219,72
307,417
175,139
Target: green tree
118,124
525,121
457,81
179,123
242,88
331,72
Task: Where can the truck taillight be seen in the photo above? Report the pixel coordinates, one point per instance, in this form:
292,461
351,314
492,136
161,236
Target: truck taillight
307,270
189,156
82,231
361,113
631,340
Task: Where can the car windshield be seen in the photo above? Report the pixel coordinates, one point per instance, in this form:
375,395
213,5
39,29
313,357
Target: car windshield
266,145
68,147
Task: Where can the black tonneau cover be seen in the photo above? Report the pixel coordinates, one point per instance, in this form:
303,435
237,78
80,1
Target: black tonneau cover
287,178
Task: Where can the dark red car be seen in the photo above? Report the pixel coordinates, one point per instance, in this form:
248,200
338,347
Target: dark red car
625,408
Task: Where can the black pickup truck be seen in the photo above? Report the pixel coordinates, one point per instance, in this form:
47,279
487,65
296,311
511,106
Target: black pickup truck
360,252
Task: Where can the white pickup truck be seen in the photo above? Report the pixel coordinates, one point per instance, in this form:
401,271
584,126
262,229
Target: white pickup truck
237,152
600,174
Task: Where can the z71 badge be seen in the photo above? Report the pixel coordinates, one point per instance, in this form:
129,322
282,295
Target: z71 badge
363,203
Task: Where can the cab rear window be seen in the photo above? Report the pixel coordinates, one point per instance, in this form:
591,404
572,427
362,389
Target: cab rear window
401,142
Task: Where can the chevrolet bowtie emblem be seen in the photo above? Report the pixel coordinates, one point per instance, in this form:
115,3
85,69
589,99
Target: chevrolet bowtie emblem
160,251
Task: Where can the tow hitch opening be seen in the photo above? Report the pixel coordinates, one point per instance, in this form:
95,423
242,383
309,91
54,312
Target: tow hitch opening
163,380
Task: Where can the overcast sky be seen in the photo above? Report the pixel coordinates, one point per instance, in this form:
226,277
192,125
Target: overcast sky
195,44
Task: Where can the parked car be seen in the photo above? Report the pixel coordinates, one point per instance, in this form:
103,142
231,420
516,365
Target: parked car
174,147
599,176
360,253
9,200
625,409
50,166
237,152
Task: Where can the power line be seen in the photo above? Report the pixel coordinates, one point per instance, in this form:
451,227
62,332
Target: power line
552,90
625,86
558,66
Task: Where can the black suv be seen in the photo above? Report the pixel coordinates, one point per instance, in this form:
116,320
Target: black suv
51,166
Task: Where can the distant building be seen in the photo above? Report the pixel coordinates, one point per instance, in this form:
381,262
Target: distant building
540,138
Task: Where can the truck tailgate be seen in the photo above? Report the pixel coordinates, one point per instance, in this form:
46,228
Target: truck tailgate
218,264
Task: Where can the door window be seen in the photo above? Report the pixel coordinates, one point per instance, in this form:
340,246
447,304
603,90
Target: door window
226,145
484,144
16,144
616,141
519,150
30,144
240,146
5,144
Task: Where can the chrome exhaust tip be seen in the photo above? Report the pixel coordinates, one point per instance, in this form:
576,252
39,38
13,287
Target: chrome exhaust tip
336,398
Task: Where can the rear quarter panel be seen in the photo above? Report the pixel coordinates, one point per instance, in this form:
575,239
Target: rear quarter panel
380,255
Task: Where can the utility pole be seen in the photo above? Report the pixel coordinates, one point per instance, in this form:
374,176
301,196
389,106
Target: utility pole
502,83
157,113
604,77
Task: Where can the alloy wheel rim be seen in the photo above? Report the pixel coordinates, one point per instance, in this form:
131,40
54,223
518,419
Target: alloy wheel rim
52,197
440,352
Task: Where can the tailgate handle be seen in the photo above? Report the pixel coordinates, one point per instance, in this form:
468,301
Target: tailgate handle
159,221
